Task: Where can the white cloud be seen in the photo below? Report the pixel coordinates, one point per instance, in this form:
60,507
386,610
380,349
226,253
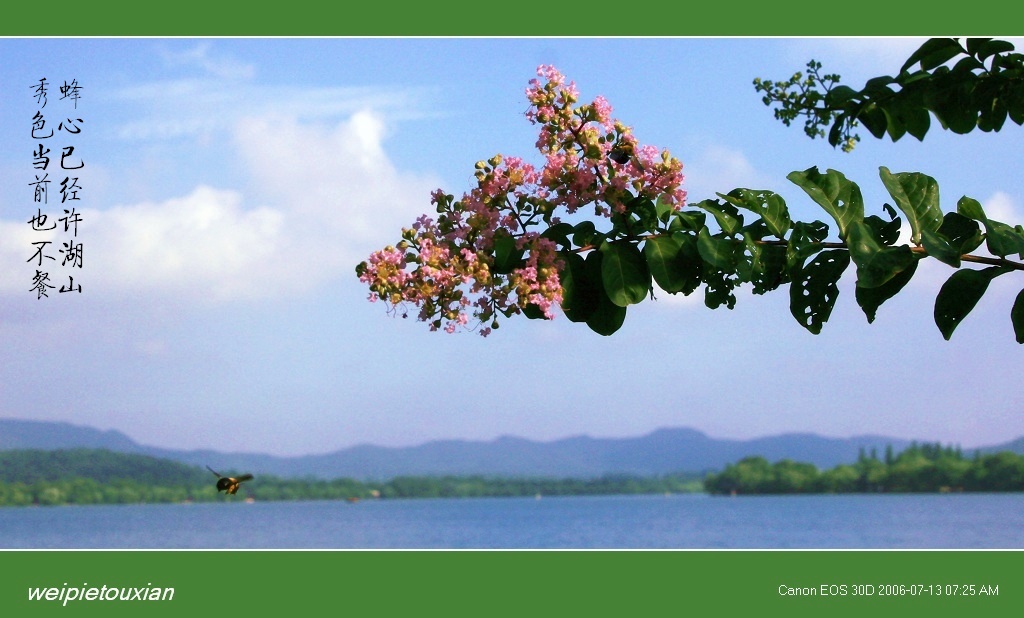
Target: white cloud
203,244
324,197
200,57
719,168
172,109
1002,207
336,180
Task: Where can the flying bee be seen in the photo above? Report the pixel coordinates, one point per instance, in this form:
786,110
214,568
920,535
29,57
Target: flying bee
619,155
229,484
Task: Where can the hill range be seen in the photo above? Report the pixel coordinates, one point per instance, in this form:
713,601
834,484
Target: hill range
663,451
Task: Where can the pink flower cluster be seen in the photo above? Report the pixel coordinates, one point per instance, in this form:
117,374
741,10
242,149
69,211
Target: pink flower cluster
477,258
592,158
484,256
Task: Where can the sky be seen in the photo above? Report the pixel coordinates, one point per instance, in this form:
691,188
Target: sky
230,186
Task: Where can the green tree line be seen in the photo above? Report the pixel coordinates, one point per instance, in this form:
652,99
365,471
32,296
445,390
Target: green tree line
88,476
919,468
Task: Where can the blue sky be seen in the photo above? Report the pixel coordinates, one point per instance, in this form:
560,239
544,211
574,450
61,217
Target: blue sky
231,185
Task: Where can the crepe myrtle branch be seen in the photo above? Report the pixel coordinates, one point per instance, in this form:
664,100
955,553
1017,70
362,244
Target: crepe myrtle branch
520,243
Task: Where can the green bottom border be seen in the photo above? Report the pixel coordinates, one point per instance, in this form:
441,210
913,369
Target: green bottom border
514,583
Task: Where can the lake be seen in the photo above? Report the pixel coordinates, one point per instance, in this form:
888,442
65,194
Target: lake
946,521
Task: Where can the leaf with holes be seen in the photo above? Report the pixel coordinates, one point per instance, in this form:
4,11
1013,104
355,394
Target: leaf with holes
917,195
727,216
840,197
814,289
876,263
770,206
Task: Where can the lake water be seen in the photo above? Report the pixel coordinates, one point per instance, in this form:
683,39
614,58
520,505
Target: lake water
979,521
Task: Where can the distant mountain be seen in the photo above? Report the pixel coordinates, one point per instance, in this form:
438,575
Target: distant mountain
661,452
50,436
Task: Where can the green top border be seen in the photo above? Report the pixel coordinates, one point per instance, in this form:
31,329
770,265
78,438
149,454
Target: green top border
601,18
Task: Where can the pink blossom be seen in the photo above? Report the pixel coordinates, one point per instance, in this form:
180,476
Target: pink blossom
448,268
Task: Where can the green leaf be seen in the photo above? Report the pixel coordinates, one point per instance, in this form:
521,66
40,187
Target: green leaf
1003,240
719,288
950,101
878,86
804,242
870,299
607,317
1015,102
839,197
893,122
973,44
917,195
768,205
814,289
728,218
956,236
584,234
663,209
940,248
646,213
688,221
990,47
765,265
1000,238
559,233
917,120
533,312
933,53
838,96
964,234
971,208
876,264
872,117
1017,317
719,252
624,272
959,294
506,256
579,290
674,263
887,232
